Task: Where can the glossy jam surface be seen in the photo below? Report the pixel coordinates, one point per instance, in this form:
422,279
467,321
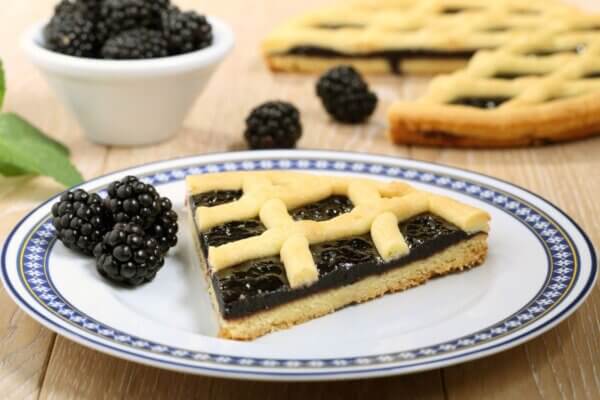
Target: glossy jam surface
486,103
215,198
250,280
260,284
232,231
425,228
344,254
323,210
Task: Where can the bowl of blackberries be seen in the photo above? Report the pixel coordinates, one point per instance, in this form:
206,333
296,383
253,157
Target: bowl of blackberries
128,70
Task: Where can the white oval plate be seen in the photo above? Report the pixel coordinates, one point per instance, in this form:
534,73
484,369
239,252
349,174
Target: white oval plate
540,268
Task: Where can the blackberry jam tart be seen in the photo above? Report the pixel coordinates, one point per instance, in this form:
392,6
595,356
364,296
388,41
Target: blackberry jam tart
280,248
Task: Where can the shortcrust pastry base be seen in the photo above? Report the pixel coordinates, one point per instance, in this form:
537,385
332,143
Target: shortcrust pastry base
464,255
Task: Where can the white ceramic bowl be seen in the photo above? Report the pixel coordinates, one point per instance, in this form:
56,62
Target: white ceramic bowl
131,102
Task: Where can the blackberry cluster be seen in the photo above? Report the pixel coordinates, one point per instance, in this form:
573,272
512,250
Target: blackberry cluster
273,125
130,200
71,34
128,255
80,220
86,8
129,232
345,95
165,227
125,29
185,31
123,15
136,44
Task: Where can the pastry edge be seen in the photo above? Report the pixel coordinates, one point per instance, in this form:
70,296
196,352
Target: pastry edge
464,255
571,119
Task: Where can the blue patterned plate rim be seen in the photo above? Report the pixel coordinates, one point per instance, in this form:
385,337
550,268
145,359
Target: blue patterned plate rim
563,272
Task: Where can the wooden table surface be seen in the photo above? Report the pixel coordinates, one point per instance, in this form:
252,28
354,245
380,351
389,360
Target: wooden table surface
35,362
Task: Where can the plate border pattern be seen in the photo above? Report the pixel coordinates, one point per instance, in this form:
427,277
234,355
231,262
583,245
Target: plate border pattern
562,262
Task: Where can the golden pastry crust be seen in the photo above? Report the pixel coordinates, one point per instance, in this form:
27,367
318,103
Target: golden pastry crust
368,28
555,98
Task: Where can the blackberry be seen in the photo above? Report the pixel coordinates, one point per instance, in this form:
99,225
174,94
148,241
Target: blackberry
71,34
345,95
135,44
86,8
274,124
123,15
165,227
132,201
102,35
128,256
80,220
185,31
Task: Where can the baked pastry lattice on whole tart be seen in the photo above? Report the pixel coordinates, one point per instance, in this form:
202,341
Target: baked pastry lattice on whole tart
410,36
538,89
280,248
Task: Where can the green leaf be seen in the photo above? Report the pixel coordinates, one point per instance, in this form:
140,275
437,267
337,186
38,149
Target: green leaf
2,85
24,147
11,170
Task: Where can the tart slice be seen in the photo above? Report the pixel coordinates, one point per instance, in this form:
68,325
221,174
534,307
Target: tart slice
281,248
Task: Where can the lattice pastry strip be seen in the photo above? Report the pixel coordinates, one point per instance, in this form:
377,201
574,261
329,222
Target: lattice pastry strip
378,208
510,72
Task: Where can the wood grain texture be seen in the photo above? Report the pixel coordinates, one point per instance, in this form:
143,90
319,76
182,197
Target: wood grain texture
562,364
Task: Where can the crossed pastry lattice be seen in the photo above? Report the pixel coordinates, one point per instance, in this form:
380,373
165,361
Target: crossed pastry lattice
370,25
378,208
510,72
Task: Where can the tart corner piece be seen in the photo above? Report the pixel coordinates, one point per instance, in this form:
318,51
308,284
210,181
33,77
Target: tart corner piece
537,89
276,254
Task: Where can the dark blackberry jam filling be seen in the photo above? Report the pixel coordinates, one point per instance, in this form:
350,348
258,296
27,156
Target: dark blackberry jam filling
261,284
215,198
252,280
323,210
425,228
487,103
393,57
231,232
344,254
591,75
